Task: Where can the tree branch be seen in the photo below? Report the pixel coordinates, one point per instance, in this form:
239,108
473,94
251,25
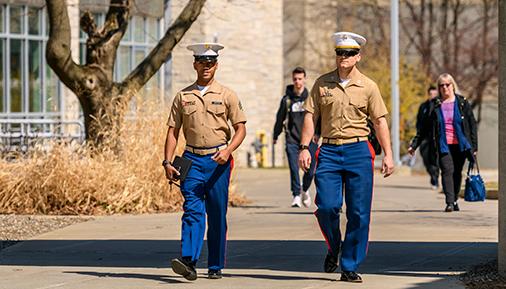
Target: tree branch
150,65
58,53
103,42
116,21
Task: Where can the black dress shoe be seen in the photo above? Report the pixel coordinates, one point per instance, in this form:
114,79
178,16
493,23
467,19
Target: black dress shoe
184,268
330,264
214,274
350,276
449,208
456,207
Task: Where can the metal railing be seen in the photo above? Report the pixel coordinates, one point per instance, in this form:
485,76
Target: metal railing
19,134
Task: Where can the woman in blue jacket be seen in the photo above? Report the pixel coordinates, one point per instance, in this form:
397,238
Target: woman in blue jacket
451,130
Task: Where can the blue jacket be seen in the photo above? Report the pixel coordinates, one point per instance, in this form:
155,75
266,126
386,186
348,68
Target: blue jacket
431,130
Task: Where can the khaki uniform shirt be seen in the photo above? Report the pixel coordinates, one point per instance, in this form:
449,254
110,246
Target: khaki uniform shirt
204,118
344,111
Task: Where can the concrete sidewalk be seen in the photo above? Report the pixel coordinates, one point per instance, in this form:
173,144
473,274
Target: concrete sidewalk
413,244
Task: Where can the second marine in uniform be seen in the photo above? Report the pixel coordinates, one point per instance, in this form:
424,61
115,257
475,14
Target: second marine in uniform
343,99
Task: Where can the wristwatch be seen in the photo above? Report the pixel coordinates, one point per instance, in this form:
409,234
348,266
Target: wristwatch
165,163
303,147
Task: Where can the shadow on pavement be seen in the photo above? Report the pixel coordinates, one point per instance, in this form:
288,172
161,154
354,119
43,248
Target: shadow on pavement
256,207
407,187
159,278
406,211
285,213
419,259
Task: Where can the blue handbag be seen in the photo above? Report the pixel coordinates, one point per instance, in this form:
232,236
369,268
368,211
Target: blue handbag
475,187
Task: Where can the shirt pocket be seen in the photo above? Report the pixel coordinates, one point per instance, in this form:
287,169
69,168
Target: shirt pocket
327,100
327,107
189,109
216,108
189,105
357,108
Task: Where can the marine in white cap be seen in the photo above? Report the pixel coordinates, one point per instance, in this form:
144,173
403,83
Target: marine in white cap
204,112
205,51
343,100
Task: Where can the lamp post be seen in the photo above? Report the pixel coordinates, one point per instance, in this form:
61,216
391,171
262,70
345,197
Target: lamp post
394,59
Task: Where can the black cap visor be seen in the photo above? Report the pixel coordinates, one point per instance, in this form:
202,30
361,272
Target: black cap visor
206,58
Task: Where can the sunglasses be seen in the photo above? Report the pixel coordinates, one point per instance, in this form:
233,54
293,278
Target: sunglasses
346,53
444,85
206,62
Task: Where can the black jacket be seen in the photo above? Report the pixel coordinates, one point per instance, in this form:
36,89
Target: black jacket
290,115
423,115
429,129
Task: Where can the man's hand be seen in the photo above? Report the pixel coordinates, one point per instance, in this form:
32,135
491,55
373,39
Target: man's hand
411,151
171,172
221,157
387,166
304,159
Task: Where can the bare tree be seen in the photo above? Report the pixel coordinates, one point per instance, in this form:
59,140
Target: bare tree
455,37
104,101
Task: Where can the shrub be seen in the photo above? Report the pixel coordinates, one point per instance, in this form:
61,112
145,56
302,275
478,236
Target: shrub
70,178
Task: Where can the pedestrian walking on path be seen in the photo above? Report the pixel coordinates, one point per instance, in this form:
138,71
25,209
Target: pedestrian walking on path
290,116
429,156
453,136
343,100
203,110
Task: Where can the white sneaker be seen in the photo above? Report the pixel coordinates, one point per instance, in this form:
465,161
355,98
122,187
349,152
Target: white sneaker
296,202
306,199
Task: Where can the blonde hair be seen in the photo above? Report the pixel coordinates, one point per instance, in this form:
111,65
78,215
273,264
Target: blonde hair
450,78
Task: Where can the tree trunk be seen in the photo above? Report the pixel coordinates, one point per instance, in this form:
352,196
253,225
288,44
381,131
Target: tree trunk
104,109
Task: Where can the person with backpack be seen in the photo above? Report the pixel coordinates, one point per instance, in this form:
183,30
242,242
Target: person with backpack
290,116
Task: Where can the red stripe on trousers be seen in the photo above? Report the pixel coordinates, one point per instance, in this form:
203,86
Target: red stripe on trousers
321,230
373,154
232,163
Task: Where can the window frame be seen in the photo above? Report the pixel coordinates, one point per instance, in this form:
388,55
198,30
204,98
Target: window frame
25,37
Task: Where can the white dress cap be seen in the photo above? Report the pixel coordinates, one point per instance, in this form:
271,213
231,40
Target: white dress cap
205,49
348,40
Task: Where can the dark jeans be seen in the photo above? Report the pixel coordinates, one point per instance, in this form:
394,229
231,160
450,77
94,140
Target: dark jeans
430,162
292,151
451,172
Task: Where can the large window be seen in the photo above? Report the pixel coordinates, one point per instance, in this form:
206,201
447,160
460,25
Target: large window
28,87
141,36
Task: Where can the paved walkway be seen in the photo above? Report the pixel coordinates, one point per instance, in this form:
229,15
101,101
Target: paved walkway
413,244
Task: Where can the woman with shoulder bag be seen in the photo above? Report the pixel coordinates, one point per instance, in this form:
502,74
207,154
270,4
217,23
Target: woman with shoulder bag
451,130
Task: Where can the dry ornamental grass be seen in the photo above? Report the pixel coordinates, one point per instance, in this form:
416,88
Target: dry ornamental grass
57,178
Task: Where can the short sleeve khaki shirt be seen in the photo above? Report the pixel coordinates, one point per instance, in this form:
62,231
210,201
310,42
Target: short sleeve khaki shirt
342,111
204,118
